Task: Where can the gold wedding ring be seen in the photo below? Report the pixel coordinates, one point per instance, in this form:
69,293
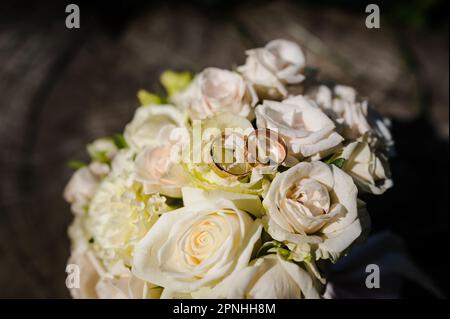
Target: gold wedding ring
229,157
234,155
266,147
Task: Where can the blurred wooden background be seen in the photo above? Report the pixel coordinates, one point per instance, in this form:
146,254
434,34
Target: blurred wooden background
61,88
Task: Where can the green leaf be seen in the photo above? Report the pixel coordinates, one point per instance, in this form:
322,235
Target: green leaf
120,141
285,253
268,247
175,82
330,159
308,259
146,98
339,162
335,159
174,202
74,164
100,156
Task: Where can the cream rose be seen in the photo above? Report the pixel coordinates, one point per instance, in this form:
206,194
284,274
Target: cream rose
151,124
369,169
84,259
196,246
126,286
268,69
94,282
158,166
314,203
158,173
82,186
305,128
354,116
216,91
269,277
102,149
89,276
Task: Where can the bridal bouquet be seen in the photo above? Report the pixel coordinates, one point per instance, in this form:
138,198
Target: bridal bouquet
228,186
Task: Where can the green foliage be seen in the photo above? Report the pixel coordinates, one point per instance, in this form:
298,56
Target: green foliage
147,98
339,162
335,159
175,82
75,164
100,156
119,141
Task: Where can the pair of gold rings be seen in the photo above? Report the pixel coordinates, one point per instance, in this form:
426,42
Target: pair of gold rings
235,155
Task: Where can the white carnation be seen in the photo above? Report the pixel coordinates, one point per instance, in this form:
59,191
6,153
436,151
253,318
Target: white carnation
119,216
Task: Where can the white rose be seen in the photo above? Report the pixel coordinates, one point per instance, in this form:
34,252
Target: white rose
369,169
84,259
355,118
99,169
269,277
77,234
81,257
81,188
305,128
268,69
88,275
196,246
216,91
246,202
158,167
151,124
158,171
126,286
102,149
314,203
94,282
